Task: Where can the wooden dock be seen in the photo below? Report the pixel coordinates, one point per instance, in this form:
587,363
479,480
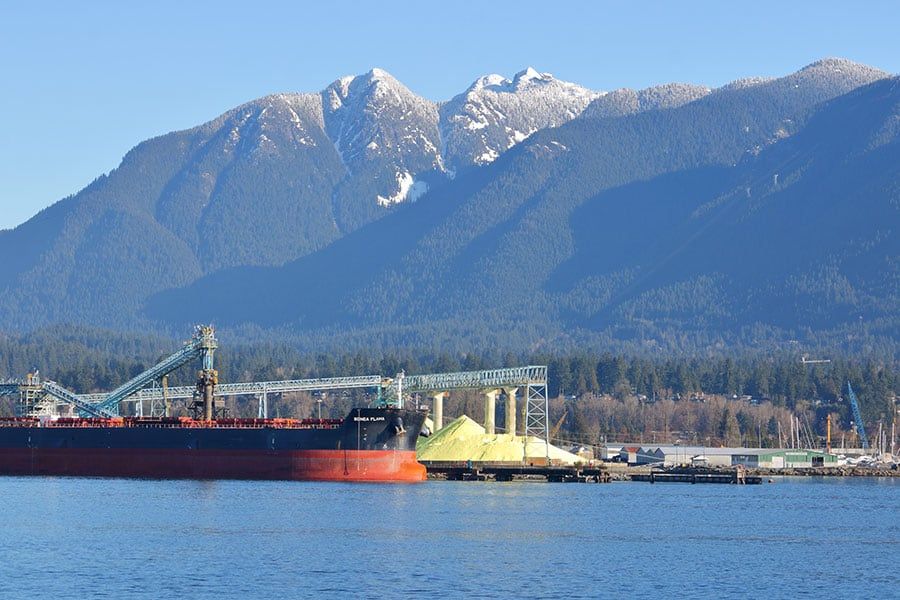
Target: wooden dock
737,476
506,472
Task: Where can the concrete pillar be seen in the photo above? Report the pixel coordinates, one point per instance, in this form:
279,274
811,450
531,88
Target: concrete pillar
490,410
523,415
511,410
437,411
208,406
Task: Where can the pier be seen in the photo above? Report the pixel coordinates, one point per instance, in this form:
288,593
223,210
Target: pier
506,472
698,475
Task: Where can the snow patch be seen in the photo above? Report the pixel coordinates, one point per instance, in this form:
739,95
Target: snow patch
408,189
264,143
489,156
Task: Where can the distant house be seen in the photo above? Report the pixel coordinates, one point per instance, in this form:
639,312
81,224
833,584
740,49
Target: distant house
629,454
610,453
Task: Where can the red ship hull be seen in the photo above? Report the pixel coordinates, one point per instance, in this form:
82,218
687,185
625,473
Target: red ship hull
298,465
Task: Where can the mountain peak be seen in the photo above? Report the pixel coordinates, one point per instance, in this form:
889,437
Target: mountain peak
840,69
827,78
380,76
521,80
496,113
385,136
377,73
836,63
530,75
489,81
348,84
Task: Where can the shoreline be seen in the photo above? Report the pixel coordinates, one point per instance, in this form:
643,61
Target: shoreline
845,471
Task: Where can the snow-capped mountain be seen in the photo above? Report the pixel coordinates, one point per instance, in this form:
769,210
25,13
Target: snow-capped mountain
290,176
496,113
374,114
656,227
383,131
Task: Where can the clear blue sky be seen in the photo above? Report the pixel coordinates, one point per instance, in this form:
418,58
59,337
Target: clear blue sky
83,82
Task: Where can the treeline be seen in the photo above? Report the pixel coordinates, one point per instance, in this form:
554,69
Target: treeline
783,380
714,421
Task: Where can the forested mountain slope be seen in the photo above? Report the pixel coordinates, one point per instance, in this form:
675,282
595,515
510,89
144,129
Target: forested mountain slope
760,211
522,211
263,184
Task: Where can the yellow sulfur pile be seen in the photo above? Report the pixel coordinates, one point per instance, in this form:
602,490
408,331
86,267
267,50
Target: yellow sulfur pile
464,440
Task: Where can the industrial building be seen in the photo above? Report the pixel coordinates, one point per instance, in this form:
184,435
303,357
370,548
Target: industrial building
766,458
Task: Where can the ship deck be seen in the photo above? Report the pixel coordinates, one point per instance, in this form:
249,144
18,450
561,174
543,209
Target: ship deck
171,423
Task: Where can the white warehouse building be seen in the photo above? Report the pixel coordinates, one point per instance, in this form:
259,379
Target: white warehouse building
771,458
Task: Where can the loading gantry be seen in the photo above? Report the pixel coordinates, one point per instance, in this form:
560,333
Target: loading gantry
43,397
40,397
203,346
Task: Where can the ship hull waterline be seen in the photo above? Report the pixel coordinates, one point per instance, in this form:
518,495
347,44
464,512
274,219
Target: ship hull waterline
295,465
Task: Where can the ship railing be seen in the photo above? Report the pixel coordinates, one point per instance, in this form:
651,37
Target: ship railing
82,422
172,423
19,421
60,422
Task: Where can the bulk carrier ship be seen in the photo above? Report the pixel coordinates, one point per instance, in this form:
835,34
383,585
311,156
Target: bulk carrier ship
370,444
373,444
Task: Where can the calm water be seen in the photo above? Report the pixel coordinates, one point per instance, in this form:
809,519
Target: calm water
74,538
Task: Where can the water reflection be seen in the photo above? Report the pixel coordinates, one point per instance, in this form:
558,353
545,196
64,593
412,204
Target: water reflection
151,539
